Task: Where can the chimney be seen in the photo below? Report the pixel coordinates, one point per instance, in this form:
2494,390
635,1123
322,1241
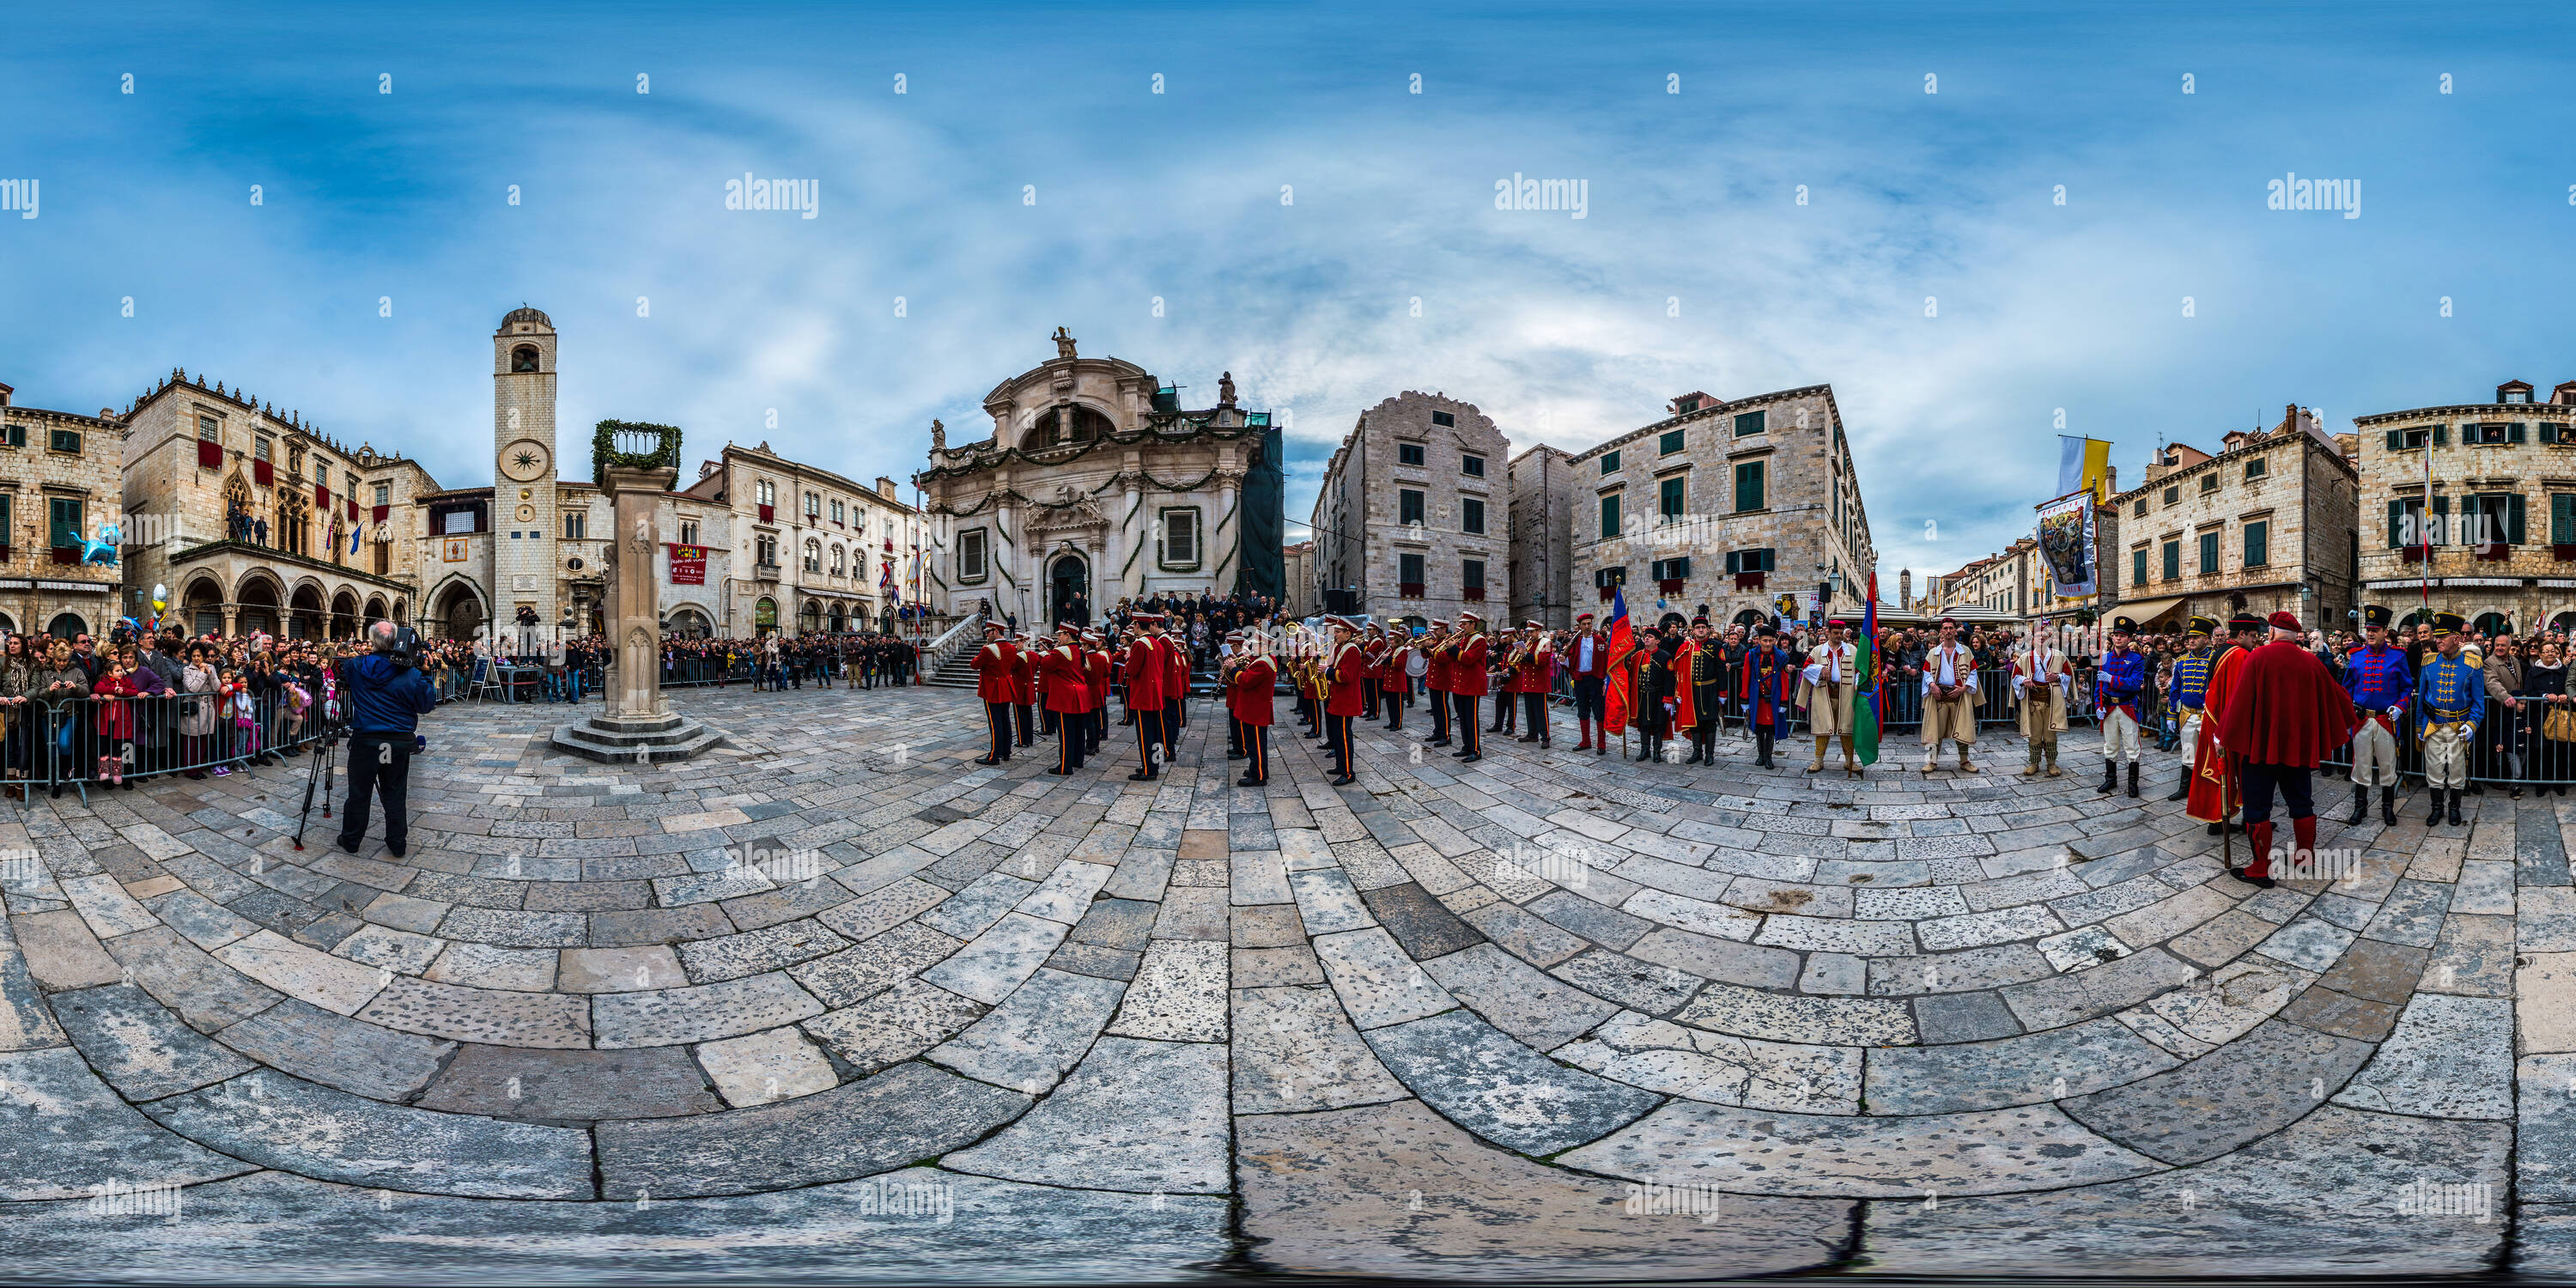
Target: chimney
885,487
5,391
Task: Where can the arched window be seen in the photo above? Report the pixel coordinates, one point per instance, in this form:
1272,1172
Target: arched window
813,555
66,626
523,358
1065,427
2490,623
837,560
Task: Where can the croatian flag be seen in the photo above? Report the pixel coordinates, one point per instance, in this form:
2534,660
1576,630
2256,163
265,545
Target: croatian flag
1616,698
1873,684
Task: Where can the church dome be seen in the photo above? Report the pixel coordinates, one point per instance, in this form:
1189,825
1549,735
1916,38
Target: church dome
525,314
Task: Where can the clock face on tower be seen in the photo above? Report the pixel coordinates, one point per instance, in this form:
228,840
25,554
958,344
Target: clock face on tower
525,460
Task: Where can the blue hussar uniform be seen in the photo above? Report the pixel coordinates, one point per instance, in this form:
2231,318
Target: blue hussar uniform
2382,683
2450,699
2118,683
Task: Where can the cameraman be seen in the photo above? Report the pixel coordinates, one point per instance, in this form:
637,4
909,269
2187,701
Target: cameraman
386,698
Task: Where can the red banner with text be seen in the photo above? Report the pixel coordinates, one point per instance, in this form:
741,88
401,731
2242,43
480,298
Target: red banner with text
688,565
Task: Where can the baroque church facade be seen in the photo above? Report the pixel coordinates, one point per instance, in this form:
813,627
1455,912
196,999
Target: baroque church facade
1098,485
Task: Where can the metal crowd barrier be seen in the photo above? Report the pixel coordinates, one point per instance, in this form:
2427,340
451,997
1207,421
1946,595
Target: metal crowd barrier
2510,748
154,735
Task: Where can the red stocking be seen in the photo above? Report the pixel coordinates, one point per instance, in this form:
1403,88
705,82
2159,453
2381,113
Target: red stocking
2259,835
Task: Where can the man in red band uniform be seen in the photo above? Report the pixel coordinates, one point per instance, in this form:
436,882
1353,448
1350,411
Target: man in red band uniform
1066,678
1437,648
1097,666
1349,669
1532,678
994,666
1372,644
2282,714
1586,654
1467,686
1248,692
2215,791
1146,674
1231,652
1024,688
1176,690
1395,684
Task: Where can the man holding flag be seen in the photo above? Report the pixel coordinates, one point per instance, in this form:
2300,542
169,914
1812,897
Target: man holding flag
1830,692
1619,690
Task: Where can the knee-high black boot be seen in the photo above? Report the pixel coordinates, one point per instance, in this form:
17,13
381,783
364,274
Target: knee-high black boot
2360,804
2388,806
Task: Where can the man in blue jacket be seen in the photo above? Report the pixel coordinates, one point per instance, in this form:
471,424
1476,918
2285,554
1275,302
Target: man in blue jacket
386,696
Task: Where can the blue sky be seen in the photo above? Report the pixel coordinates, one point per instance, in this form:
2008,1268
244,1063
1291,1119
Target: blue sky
767,326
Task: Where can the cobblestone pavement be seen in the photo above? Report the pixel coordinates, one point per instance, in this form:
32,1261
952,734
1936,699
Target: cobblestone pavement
837,1002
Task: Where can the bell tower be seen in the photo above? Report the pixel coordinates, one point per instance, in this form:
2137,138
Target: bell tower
524,566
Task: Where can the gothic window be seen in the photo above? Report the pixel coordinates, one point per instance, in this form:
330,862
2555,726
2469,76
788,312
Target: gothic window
836,561
813,556
523,358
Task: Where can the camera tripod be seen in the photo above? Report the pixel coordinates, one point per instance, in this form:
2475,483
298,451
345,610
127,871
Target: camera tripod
325,755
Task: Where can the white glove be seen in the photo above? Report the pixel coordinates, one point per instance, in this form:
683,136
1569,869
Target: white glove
2394,712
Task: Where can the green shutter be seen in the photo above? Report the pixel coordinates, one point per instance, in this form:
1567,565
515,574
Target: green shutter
2396,524
2513,514
2439,434
2562,519
2513,432
2549,431
2396,440
2440,535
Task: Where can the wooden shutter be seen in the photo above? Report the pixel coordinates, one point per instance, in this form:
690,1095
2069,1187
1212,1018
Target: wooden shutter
2513,432
2513,511
2396,440
2441,512
2396,524
2549,431
2562,518
2439,434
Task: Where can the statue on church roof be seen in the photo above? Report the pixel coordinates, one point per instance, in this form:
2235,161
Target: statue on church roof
1063,342
1225,390
938,436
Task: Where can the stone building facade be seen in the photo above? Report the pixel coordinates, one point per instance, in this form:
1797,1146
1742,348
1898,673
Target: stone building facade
1298,567
1740,505
1097,482
1413,521
258,522
58,485
2501,511
1541,568
819,553
2272,515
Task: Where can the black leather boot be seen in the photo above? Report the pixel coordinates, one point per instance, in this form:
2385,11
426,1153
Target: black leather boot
2388,806
2133,780
2110,781
2182,786
2360,804
2454,811
2436,815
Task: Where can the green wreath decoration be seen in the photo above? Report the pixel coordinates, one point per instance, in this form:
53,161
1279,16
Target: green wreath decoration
604,453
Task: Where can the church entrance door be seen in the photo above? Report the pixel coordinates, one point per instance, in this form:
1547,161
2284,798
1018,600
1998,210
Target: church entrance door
1069,591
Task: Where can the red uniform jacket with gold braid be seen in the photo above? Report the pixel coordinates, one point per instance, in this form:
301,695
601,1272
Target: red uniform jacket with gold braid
1347,698
1024,677
1068,689
995,667
1146,674
1467,673
1096,664
1248,694
1176,675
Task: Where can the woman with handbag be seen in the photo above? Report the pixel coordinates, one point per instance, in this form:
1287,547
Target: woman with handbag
2550,747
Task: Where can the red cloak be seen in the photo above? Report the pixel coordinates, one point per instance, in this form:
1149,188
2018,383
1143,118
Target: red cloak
2284,709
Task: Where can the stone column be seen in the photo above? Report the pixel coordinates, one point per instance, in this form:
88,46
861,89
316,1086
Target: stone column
634,629
232,612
